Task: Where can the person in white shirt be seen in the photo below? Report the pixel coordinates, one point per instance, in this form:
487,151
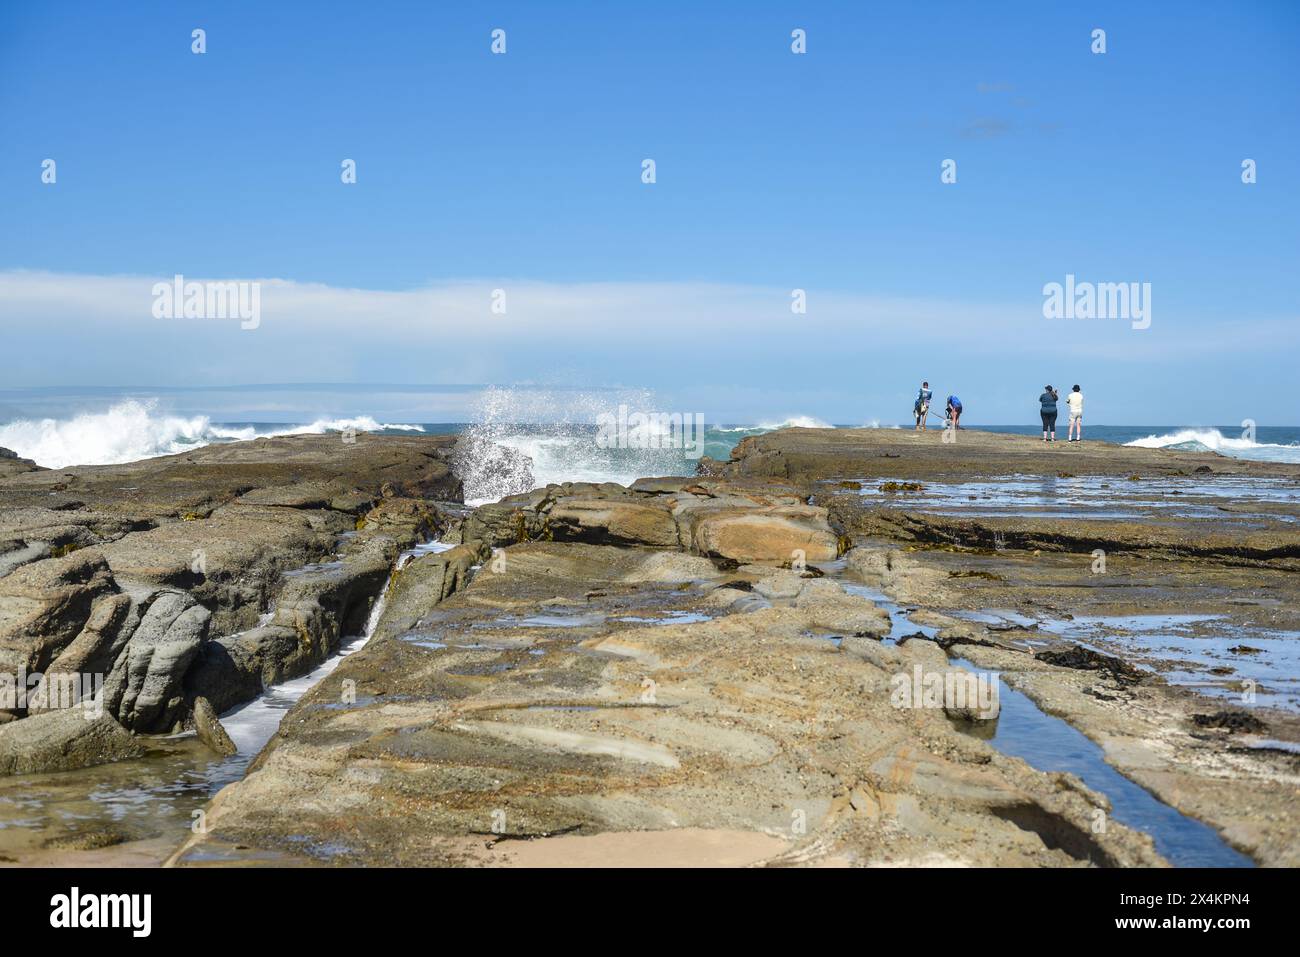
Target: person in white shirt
1076,414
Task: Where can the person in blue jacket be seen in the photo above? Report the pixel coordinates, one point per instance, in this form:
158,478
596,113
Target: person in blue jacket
954,411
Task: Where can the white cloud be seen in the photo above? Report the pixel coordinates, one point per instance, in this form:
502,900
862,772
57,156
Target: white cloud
100,329
535,310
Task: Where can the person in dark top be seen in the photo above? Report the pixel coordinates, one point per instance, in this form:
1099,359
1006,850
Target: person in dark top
1047,408
954,411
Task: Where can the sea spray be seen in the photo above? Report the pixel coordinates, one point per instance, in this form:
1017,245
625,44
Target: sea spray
554,437
629,429
1212,440
134,429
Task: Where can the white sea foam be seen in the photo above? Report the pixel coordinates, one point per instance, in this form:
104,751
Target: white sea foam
793,422
251,725
1212,440
554,435
360,423
553,432
796,422
134,429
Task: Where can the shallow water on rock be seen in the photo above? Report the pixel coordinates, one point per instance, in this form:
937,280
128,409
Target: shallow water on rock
1089,496
1220,658
42,814
672,618
253,724
1259,667
550,621
589,619
1272,744
1050,744
899,625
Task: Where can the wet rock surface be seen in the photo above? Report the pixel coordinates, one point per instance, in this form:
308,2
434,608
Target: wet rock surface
1231,721
1157,601
64,740
808,455
583,689
209,730
153,578
686,669
1089,660
752,522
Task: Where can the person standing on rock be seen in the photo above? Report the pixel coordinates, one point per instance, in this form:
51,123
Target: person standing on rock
921,407
1047,408
1075,400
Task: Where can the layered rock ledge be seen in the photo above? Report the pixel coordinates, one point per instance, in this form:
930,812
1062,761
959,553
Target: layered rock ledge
683,670
209,574
806,455
581,690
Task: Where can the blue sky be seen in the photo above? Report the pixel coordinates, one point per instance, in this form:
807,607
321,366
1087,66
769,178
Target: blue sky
775,171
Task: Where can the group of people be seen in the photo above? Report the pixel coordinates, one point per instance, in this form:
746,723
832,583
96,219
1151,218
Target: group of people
1047,407
921,409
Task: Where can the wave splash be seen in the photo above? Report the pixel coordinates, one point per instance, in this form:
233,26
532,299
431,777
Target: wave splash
553,436
522,439
1212,440
133,430
792,422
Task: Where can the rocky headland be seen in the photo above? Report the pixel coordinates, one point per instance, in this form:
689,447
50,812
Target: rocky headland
699,669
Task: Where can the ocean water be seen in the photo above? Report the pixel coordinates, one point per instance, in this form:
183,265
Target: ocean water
555,429
1270,443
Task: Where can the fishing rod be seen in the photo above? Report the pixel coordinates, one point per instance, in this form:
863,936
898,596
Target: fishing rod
942,418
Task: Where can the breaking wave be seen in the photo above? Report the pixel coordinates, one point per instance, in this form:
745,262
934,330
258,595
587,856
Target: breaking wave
796,422
1212,440
793,422
555,439
521,439
133,430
